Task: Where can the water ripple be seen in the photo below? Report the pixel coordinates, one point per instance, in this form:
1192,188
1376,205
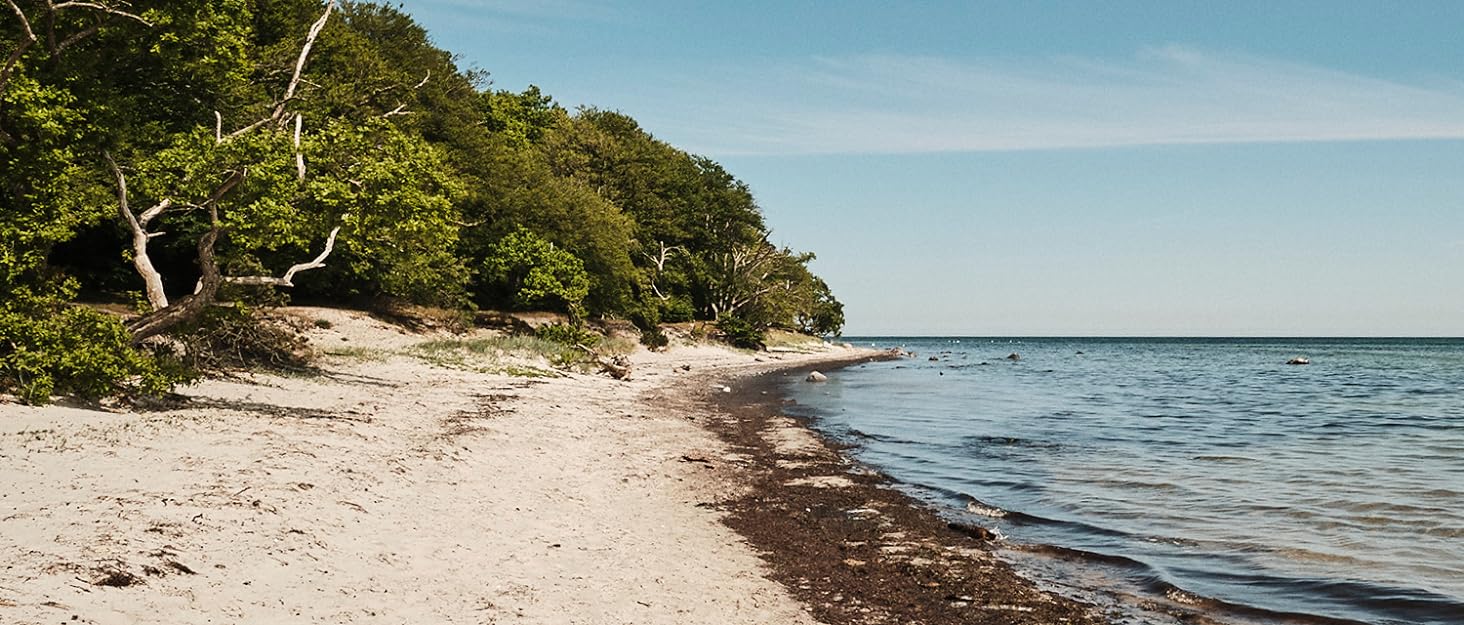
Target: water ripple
1335,489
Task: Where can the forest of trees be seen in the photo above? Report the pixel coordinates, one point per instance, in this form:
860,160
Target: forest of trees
174,154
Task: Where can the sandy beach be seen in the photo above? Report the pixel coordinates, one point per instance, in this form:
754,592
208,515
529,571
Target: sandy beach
387,488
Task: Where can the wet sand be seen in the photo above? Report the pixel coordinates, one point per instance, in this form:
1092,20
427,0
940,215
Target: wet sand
851,546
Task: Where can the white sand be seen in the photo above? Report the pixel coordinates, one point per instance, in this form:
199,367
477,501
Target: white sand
389,491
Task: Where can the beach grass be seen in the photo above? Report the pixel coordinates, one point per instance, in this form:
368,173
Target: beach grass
492,354
783,340
357,354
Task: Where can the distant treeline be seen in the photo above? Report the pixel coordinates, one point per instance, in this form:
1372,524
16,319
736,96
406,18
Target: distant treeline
177,153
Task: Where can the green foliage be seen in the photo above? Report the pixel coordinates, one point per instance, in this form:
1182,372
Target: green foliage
654,338
739,332
520,191
824,316
392,193
538,273
677,310
567,334
50,348
521,118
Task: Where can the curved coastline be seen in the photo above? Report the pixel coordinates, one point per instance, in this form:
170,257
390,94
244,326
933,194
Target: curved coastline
388,488
1126,591
848,541
867,547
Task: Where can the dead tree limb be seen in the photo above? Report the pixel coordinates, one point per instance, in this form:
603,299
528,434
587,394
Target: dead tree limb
101,8
315,29
189,307
20,46
659,261
165,314
137,225
288,278
299,155
617,367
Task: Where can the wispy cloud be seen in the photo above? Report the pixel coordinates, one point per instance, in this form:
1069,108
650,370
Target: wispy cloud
1166,95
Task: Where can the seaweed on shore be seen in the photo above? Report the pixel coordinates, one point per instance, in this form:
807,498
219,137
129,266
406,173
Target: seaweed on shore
852,547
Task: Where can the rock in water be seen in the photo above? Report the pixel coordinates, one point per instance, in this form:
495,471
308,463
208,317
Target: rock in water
1299,360
1013,356
816,377
974,531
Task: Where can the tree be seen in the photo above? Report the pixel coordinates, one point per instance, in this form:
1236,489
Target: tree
269,194
537,273
519,190
198,173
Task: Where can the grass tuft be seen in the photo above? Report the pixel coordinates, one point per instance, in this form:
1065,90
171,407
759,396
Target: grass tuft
486,354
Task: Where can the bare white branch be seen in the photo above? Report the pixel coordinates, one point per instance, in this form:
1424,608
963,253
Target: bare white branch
20,46
299,156
300,61
152,280
157,209
288,278
24,22
246,129
102,8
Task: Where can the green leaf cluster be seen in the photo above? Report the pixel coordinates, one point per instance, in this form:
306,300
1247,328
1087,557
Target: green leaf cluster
538,274
47,348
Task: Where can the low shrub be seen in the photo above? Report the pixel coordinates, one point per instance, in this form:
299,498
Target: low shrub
567,334
677,310
51,348
739,332
654,338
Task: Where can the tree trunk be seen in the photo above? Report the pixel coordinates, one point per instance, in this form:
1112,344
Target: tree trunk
190,307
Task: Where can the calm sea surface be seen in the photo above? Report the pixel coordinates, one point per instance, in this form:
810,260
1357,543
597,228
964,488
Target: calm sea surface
1206,466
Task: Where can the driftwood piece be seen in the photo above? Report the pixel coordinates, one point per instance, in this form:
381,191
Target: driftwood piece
617,367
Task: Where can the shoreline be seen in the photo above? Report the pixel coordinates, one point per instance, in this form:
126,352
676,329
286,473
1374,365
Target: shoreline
388,487
930,561
846,541
391,488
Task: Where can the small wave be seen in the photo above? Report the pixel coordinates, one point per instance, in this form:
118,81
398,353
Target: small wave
1409,605
1068,553
1224,459
862,435
977,508
1153,583
1008,441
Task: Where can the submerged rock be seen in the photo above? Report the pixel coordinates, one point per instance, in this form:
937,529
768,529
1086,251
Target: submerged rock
974,531
816,377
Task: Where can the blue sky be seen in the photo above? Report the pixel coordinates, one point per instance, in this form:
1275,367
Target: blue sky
1051,168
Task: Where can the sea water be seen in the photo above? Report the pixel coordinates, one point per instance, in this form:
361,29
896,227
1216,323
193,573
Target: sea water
1206,467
